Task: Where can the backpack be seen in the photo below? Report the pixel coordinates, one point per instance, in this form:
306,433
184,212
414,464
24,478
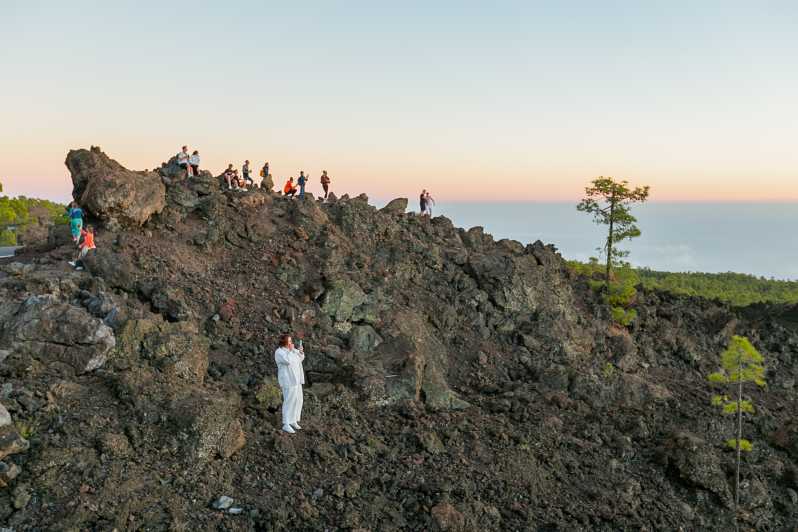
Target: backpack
262,173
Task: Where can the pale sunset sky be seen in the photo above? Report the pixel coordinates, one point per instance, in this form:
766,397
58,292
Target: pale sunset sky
476,101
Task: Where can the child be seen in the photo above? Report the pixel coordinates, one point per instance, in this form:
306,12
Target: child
85,246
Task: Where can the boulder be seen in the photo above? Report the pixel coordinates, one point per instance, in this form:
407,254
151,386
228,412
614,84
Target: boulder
112,193
447,518
341,298
416,361
363,339
395,207
267,183
58,235
696,463
177,350
115,268
8,472
210,424
48,330
10,440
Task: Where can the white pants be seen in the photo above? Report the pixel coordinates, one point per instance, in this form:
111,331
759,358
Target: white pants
292,404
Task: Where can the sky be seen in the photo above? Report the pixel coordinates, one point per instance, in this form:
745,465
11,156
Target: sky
500,101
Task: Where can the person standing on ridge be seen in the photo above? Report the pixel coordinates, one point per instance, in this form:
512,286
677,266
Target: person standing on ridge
194,161
182,159
289,189
291,377
264,172
75,214
422,201
325,183
301,182
247,176
429,201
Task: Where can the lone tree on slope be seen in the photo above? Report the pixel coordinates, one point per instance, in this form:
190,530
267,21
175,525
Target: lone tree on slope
609,202
740,363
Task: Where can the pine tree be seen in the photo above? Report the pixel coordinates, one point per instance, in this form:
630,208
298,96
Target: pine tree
609,202
740,363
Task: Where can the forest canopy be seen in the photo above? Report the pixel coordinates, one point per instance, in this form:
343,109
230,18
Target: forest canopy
738,289
18,214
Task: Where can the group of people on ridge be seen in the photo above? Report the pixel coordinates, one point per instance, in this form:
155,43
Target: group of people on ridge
189,163
426,202
289,189
234,180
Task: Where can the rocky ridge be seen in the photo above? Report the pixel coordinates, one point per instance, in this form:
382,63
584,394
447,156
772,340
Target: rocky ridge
455,382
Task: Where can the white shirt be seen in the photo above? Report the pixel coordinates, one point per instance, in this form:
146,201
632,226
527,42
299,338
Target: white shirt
194,159
182,158
289,366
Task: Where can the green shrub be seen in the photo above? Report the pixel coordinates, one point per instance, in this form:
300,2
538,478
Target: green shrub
623,316
8,238
269,396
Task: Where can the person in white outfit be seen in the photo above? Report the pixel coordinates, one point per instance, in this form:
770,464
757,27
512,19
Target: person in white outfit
291,377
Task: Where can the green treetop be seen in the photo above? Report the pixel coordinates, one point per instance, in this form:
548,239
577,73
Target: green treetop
609,202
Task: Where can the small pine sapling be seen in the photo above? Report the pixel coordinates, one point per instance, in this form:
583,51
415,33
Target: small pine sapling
740,364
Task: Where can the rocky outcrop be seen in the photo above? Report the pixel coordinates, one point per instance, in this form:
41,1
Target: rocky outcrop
112,193
454,382
396,206
49,331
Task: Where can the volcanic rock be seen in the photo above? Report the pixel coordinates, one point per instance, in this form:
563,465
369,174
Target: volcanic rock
112,193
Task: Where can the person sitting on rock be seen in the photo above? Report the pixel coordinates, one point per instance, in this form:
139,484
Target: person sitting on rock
85,246
239,180
291,377
289,189
182,159
75,214
194,161
247,176
230,177
325,183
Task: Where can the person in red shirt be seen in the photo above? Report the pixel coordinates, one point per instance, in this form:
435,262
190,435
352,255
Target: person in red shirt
86,245
325,183
289,189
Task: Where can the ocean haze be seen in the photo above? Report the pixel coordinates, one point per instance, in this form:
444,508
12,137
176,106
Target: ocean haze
755,238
